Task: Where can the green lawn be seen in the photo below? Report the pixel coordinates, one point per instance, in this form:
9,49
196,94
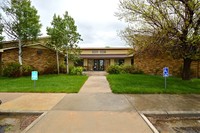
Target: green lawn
148,84
46,83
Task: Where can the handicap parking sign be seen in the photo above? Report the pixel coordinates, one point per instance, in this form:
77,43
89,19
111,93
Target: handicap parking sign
165,72
34,75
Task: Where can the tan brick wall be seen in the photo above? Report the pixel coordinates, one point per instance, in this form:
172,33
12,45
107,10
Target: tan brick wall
155,65
112,61
31,57
127,61
85,62
9,56
195,67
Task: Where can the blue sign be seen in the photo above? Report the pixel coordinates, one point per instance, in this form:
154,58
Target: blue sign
165,72
34,75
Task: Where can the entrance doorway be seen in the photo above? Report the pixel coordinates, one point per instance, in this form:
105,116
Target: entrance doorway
98,65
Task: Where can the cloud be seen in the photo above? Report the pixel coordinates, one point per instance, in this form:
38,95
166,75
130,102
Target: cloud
94,18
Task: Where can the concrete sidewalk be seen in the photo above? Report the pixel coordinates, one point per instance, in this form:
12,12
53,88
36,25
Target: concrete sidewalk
91,122
96,84
95,109
30,102
96,112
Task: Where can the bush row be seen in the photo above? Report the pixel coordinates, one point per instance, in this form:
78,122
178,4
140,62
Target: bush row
13,70
63,69
76,70
116,69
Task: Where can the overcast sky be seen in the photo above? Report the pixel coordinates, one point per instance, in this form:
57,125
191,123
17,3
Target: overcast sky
94,18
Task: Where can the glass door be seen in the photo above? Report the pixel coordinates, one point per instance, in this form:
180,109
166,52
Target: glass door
95,65
101,65
98,65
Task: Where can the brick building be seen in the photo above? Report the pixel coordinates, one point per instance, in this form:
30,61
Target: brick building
37,55
155,65
41,57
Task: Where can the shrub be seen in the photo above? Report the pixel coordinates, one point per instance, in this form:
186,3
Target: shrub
50,70
76,70
27,70
114,69
128,69
53,69
137,71
63,68
12,70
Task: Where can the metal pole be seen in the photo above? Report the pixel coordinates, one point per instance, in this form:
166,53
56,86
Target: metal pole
34,84
165,82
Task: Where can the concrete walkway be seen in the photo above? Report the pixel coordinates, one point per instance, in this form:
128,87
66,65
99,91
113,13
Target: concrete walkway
96,84
95,109
95,73
30,102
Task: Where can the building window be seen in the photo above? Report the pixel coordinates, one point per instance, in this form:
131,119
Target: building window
39,52
132,61
102,51
95,51
119,61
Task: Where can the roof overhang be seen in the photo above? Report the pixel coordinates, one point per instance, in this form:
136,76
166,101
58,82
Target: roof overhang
104,56
32,46
10,48
109,48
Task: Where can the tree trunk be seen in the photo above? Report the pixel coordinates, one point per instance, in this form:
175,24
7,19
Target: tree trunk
186,69
67,63
20,55
1,67
57,60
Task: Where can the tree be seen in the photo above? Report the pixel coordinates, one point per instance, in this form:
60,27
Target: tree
1,45
63,35
171,25
21,22
71,39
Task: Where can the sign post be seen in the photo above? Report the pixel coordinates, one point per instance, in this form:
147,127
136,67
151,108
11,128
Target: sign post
165,75
34,77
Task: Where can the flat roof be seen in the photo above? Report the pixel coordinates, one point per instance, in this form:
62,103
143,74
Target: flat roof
104,56
109,48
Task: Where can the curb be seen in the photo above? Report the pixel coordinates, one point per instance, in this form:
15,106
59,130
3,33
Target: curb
34,122
149,123
152,127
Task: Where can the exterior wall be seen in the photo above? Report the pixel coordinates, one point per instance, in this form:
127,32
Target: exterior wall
10,56
112,54
112,61
155,65
107,62
108,51
195,67
41,59
85,64
127,61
